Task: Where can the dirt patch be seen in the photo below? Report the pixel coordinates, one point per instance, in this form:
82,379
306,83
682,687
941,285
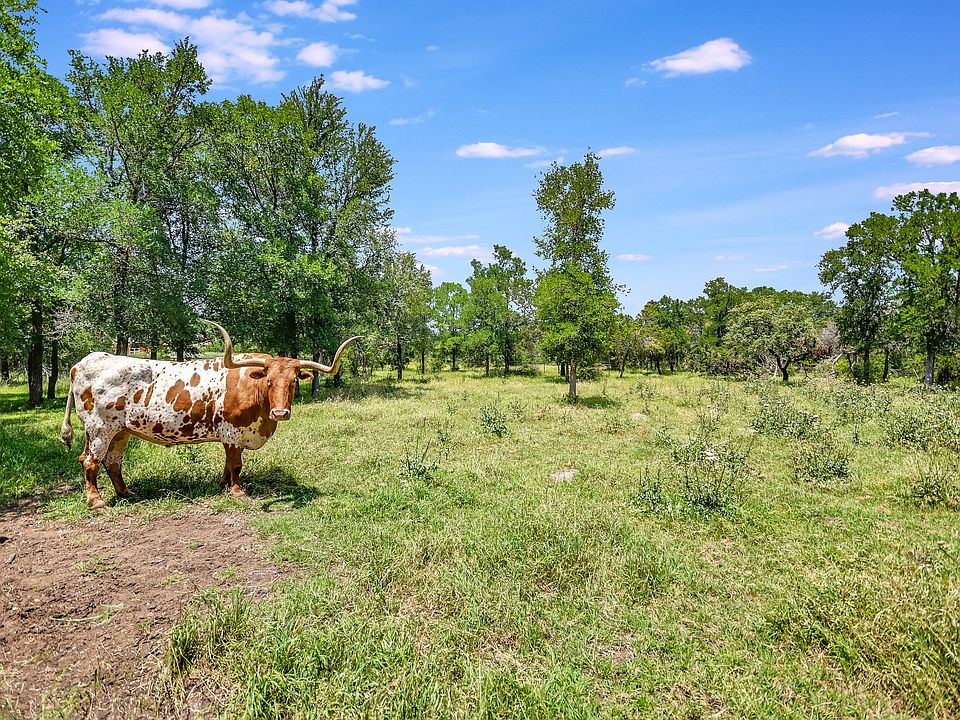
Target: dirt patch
85,608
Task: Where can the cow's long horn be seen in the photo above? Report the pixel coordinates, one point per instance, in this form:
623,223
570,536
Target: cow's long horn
332,370
228,360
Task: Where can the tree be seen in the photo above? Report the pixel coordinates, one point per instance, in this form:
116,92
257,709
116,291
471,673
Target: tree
863,271
773,329
449,305
928,254
141,120
575,298
407,297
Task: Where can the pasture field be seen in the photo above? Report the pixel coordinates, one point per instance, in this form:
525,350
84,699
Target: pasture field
474,547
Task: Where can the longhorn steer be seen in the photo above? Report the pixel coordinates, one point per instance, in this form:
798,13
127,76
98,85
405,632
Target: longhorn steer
234,401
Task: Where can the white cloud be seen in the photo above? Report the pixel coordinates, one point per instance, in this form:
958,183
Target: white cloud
833,231
936,155
432,48
634,82
496,150
888,192
121,43
728,258
356,81
712,56
183,4
633,257
406,235
318,54
620,150
860,145
433,270
771,268
540,164
473,251
328,11
227,47
884,116
414,120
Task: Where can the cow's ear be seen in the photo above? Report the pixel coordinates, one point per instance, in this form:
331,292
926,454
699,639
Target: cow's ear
257,373
304,375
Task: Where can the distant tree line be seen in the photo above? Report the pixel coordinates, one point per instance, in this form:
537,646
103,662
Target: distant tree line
130,207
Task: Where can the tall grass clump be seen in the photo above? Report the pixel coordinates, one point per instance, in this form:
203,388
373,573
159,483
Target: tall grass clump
935,480
778,416
821,460
711,472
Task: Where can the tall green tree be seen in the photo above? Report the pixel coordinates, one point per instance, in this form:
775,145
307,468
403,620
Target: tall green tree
928,253
408,292
449,307
142,120
863,272
575,297
774,330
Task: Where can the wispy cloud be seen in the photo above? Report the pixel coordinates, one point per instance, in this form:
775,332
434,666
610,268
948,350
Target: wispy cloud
833,231
496,150
728,258
406,235
613,151
122,43
414,120
318,54
884,116
634,257
936,155
634,82
183,4
471,251
861,145
355,81
540,164
888,192
227,47
771,268
328,11
712,56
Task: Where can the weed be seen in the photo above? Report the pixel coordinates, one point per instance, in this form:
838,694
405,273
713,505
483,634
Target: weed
935,481
777,416
711,472
421,461
821,461
493,420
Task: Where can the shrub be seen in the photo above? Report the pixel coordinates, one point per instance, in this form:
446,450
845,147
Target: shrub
711,473
821,461
423,458
777,416
493,420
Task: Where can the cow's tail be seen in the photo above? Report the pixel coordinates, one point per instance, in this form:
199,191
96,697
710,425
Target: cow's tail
66,430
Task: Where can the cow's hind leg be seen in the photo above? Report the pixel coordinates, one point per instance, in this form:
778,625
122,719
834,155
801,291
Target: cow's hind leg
98,442
231,471
113,461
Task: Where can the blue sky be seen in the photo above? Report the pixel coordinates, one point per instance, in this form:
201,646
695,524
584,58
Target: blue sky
739,137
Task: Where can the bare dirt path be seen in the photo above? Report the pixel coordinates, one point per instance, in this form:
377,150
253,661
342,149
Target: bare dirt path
86,608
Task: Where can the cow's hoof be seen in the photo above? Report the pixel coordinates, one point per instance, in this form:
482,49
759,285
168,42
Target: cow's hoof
126,494
238,492
97,504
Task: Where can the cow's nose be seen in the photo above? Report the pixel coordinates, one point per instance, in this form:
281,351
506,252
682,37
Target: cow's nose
279,414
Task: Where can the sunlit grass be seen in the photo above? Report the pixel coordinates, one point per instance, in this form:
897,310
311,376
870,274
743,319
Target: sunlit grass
448,572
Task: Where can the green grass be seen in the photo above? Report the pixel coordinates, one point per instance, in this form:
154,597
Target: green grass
445,573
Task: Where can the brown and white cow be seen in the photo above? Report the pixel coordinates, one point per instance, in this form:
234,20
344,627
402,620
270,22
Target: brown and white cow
234,401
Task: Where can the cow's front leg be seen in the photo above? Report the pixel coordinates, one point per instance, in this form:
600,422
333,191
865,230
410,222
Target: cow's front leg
113,461
231,471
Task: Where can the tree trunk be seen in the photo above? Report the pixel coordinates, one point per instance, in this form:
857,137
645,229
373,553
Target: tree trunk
784,371
886,364
120,302
928,369
563,370
35,355
423,361
656,364
154,348
181,351
573,380
315,383
399,359
5,368
54,369
506,361
486,370
866,365
623,365
338,379
453,359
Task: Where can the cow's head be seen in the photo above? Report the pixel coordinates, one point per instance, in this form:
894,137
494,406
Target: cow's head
280,373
